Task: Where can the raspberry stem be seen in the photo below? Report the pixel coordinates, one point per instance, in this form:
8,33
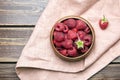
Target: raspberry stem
104,19
79,43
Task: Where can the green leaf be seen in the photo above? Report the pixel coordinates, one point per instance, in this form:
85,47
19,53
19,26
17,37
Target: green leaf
80,44
104,19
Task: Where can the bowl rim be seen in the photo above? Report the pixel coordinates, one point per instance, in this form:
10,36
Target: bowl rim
78,57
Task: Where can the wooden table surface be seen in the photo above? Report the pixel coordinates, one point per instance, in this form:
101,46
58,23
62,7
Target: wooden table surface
17,20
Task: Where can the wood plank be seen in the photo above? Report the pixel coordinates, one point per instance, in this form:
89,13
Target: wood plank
21,12
9,79
7,59
7,72
111,72
117,60
15,32
12,41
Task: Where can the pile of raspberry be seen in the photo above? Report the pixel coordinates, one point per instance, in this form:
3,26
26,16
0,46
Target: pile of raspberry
67,32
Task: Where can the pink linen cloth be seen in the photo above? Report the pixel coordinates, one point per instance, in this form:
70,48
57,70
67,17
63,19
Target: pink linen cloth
38,58
41,74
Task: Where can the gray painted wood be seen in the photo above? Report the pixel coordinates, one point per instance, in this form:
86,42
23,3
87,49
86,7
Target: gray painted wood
117,60
12,41
21,12
111,72
7,72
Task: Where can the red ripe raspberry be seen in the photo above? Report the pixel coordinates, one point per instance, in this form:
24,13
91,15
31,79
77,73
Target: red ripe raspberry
71,23
87,30
67,44
65,29
72,35
74,29
59,26
81,24
87,40
72,52
57,44
66,36
103,23
81,34
59,36
64,52
85,49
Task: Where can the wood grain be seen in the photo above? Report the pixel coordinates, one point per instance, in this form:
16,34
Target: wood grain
9,78
117,60
12,41
111,72
21,12
7,72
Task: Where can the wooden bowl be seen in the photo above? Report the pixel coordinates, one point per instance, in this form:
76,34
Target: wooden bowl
78,57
